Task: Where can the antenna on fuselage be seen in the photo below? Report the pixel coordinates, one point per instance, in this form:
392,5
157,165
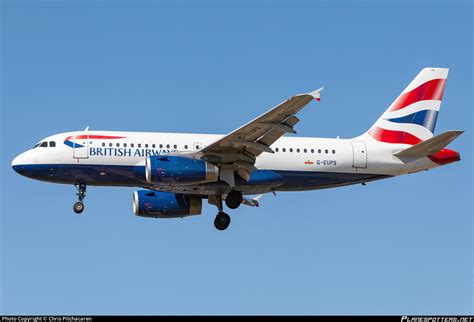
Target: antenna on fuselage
87,128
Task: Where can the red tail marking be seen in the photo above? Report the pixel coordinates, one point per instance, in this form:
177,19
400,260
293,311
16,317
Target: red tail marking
431,90
390,136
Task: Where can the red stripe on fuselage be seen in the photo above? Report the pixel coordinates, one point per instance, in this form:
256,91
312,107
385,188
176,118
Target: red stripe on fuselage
102,137
389,136
431,90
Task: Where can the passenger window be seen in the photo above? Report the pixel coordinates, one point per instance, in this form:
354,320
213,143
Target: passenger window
186,147
319,150
284,149
146,145
175,146
167,146
161,146
139,145
326,151
44,144
333,151
312,150
103,143
52,144
125,145
110,144
153,146
298,150
132,145
276,150
305,150
118,145
291,149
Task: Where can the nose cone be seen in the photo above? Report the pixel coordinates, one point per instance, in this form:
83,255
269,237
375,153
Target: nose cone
19,163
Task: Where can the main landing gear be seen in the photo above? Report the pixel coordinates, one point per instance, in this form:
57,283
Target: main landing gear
232,201
222,221
81,194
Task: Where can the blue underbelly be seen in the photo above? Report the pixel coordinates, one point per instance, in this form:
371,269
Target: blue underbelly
134,176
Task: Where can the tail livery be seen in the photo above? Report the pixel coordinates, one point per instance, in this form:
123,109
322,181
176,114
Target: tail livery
411,118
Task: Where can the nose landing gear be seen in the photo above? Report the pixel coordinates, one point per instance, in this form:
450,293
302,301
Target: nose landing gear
81,194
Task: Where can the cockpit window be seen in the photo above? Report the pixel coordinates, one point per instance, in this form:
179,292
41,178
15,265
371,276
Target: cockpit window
44,144
36,145
52,144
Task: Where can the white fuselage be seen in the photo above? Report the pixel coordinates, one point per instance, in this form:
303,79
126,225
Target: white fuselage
110,158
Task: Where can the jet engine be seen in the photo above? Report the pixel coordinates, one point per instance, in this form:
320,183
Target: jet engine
157,204
175,169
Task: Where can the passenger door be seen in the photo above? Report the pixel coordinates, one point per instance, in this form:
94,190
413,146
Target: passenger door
359,151
80,146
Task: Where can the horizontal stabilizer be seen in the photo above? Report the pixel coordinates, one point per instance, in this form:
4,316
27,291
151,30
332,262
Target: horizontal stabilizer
430,146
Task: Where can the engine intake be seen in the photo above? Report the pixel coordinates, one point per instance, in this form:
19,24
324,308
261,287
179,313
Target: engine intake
175,169
157,204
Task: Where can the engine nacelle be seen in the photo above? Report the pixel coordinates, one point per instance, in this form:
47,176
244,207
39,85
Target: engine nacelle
157,204
175,169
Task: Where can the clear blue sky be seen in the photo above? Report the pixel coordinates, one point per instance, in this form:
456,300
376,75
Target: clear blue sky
398,246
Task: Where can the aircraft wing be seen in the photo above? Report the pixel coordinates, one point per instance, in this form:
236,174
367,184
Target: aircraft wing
240,148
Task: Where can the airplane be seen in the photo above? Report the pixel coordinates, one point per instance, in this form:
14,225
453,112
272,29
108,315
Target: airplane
176,171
